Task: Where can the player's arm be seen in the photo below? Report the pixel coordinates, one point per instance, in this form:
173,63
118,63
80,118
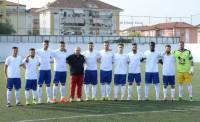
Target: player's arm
192,64
5,70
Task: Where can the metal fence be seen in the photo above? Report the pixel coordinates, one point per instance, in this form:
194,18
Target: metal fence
85,39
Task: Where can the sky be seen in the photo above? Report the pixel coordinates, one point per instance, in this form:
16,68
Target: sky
156,8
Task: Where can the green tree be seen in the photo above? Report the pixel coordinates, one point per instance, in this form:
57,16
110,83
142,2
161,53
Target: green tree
6,28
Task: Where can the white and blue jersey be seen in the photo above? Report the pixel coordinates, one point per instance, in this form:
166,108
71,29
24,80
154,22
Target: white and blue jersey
106,60
60,66
120,68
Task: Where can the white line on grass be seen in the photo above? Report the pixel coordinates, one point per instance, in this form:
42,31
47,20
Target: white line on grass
103,115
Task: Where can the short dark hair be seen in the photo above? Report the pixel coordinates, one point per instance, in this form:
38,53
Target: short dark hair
46,41
32,49
120,44
152,43
107,42
14,47
134,44
168,45
62,42
181,42
90,43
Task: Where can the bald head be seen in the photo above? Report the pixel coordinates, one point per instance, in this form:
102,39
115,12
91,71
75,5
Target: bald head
77,50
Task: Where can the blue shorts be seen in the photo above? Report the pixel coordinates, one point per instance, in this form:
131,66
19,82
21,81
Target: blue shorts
90,77
105,77
16,82
60,77
31,84
44,77
134,77
168,80
152,78
120,79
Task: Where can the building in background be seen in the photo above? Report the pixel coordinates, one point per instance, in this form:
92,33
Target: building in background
15,14
79,17
198,33
33,21
186,32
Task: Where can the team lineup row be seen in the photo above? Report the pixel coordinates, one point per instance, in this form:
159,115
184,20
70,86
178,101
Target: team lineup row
83,70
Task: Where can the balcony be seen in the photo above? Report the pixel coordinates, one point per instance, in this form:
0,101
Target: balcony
73,20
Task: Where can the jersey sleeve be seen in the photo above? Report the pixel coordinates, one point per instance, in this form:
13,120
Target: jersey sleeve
7,61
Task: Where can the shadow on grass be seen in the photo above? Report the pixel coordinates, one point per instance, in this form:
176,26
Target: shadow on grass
109,107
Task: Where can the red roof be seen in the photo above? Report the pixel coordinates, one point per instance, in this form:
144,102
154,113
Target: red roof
8,3
161,26
82,4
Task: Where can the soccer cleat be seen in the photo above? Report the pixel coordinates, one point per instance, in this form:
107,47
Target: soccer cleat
107,98
63,100
128,98
103,98
39,101
86,99
78,100
27,103
9,105
48,100
180,99
34,101
115,99
94,99
139,99
190,99
53,100
18,104
71,99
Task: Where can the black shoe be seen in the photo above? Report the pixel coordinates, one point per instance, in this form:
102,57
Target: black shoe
9,105
18,104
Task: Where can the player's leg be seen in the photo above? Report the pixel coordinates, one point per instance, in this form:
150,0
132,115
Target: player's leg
116,86
86,84
27,90
130,85
165,85
138,83
108,86
172,84
57,78
156,83
34,91
48,83
180,80
9,85
188,79
79,87
94,84
102,82
17,85
41,78
73,87
123,86
62,86
148,80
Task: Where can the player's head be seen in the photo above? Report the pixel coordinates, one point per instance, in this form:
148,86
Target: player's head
181,45
45,44
14,51
90,46
106,45
120,47
168,49
32,52
62,45
134,47
152,46
77,51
